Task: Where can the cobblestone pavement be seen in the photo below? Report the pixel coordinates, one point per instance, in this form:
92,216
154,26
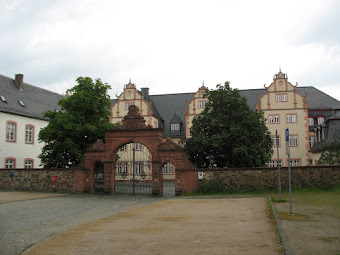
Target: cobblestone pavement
26,223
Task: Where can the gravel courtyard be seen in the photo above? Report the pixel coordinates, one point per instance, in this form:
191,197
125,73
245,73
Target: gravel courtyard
86,224
24,223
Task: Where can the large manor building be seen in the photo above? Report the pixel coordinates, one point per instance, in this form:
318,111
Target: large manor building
301,109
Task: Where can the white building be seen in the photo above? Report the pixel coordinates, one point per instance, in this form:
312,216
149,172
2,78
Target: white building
21,118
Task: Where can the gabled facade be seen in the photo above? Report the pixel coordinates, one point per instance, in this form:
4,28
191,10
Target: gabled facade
195,107
284,107
141,99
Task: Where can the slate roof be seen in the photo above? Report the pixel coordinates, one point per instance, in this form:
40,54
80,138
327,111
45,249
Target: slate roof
316,98
171,104
252,96
36,100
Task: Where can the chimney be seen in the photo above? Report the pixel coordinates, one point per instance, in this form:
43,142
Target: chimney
145,91
19,78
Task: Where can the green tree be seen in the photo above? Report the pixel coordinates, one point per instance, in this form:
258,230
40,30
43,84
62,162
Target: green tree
228,133
84,118
330,154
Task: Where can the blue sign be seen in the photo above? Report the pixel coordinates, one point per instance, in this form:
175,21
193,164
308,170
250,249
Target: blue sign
287,135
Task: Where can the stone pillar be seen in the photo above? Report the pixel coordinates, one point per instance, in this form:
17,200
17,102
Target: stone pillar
109,177
87,187
157,178
178,182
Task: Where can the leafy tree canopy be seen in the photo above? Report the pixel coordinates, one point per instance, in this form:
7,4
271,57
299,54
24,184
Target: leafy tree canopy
84,118
228,133
331,154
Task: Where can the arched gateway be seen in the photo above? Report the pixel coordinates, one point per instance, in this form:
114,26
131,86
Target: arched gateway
154,154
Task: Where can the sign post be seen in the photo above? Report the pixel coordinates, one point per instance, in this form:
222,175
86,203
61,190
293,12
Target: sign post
278,165
289,171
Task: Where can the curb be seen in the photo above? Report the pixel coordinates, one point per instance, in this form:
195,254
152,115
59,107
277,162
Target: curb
288,250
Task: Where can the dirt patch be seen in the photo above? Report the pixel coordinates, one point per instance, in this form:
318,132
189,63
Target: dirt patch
311,230
214,226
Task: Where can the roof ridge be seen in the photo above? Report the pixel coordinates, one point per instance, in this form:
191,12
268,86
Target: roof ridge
189,93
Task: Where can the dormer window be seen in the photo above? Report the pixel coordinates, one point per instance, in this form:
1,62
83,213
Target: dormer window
3,98
175,126
21,103
321,120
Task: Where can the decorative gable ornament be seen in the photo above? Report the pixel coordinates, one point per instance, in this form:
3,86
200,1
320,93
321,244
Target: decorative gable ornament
169,145
133,120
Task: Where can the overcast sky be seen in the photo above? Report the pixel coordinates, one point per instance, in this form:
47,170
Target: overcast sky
171,46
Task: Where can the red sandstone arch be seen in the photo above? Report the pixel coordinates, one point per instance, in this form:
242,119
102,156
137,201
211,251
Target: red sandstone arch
132,130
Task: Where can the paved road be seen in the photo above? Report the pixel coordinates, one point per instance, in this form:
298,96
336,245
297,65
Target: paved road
28,222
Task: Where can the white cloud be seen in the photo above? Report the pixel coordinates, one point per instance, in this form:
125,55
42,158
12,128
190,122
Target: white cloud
171,46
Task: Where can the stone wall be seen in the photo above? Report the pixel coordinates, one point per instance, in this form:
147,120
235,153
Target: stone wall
267,178
36,179
227,179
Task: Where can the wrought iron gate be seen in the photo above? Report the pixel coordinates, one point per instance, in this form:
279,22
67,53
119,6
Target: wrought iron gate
133,171
99,177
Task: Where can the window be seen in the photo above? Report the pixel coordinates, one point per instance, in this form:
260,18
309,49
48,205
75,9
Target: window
277,143
128,104
3,98
281,97
290,118
275,163
293,140
137,146
168,168
201,104
295,162
10,163
274,119
122,167
123,148
139,167
11,132
175,126
28,163
321,120
310,121
311,141
29,134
